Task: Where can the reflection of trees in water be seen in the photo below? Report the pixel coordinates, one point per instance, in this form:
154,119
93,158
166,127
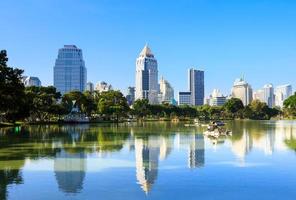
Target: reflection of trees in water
53,141
15,147
10,175
152,142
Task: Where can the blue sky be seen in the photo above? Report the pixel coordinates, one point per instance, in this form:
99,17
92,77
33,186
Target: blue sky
226,38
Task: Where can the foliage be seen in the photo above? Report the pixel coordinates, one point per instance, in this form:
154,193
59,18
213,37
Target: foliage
233,108
12,96
141,108
112,103
258,110
42,102
290,106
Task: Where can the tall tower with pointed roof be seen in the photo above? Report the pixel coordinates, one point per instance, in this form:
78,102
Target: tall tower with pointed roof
147,76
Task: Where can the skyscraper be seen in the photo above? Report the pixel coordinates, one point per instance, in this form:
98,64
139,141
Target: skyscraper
243,91
196,86
268,95
147,76
166,91
130,97
69,70
282,92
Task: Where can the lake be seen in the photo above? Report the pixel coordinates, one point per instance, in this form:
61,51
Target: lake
148,161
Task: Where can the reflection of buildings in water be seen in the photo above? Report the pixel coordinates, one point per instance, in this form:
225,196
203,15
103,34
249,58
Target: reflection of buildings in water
147,154
284,131
166,147
196,148
266,141
130,141
70,170
242,146
196,155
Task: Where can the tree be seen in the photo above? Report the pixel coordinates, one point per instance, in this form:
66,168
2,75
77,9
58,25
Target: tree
259,110
112,103
43,102
85,101
233,106
140,108
290,106
12,95
76,96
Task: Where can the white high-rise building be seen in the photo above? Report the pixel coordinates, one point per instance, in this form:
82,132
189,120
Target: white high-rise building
69,70
268,95
259,95
31,81
217,99
166,91
103,87
242,90
282,92
147,76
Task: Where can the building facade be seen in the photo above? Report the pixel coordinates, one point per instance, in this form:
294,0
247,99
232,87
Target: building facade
147,76
243,91
184,98
282,92
196,86
31,81
69,71
166,91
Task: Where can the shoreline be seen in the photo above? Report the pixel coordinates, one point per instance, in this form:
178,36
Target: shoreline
17,124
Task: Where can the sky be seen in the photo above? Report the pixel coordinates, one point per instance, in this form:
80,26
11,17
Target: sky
225,38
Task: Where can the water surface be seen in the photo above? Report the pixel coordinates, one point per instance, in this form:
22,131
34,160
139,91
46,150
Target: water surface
148,161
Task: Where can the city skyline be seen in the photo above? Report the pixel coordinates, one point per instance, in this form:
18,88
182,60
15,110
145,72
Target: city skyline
221,42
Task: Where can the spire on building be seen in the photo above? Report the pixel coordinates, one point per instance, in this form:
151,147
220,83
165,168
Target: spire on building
146,52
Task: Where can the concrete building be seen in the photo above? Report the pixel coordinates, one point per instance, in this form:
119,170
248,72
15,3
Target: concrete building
147,76
184,98
130,97
196,86
31,81
216,98
243,91
166,91
103,87
69,71
90,87
282,92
